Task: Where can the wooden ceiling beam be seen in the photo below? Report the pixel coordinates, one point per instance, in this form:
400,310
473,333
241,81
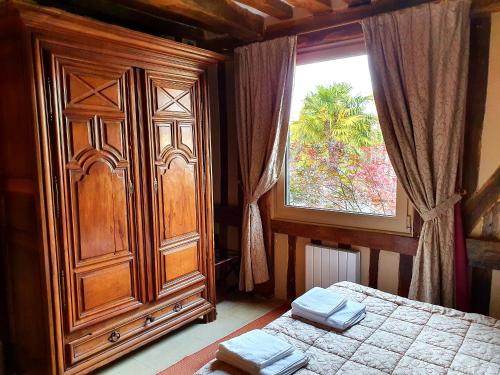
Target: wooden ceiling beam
337,18
479,202
110,11
314,6
355,3
330,36
485,6
222,16
355,14
275,8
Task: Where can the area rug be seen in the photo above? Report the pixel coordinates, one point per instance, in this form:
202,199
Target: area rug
190,364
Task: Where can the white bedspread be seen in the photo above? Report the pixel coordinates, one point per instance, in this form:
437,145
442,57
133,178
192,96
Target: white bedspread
397,336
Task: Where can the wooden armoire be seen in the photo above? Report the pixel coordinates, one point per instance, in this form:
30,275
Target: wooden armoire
106,193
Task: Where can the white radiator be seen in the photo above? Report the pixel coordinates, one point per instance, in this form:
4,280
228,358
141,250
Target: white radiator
326,266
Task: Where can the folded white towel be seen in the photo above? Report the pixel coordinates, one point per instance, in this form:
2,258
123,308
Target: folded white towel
320,302
287,365
253,351
350,314
284,366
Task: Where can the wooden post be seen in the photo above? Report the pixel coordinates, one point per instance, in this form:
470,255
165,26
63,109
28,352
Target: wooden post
290,288
405,272
373,273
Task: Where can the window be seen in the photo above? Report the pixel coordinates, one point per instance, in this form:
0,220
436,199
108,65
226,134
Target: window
337,170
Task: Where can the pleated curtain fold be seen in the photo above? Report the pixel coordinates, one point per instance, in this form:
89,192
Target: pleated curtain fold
263,79
418,59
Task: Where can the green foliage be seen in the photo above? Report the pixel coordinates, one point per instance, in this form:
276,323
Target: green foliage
331,113
337,158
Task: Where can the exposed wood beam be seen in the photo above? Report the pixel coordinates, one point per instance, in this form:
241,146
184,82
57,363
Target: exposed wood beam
405,273
354,14
330,43
483,254
491,223
337,18
120,14
485,6
354,3
275,8
221,16
330,36
481,285
314,6
290,274
481,201
356,237
480,30
373,269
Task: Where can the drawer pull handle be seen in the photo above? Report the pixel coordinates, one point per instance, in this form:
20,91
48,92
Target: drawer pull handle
114,337
177,307
150,319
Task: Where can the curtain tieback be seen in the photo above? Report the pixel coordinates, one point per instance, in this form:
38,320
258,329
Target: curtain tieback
250,202
441,208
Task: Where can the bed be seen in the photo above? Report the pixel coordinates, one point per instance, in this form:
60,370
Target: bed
398,336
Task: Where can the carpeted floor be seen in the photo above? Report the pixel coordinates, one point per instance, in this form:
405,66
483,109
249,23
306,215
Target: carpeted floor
191,363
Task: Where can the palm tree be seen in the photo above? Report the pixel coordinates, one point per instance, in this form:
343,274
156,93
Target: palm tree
329,141
334,116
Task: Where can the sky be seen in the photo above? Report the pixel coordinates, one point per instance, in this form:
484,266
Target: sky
353,70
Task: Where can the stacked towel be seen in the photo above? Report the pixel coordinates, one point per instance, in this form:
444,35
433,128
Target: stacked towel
320,302
259,353
286,366
345,313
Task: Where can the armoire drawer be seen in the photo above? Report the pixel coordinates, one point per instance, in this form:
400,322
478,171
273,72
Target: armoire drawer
95,343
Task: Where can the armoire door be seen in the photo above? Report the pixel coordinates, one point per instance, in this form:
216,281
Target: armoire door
95,155
178,195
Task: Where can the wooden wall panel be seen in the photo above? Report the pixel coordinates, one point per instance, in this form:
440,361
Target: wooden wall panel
300,258
374,266
405,272
481,290
476,99
495,294
213,82
290,276
18,221
227,188
280,272
490,153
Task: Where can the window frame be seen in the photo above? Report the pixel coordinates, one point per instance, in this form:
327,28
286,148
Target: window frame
401,223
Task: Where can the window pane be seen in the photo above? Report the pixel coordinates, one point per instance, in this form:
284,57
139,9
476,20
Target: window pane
336,157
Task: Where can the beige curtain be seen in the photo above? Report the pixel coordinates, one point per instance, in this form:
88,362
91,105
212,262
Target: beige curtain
264,79
419,62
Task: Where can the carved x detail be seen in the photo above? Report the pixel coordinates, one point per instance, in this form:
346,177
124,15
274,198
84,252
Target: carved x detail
94,91
173,100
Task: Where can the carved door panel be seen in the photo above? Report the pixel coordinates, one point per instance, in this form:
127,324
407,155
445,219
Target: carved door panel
178,198
95,130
